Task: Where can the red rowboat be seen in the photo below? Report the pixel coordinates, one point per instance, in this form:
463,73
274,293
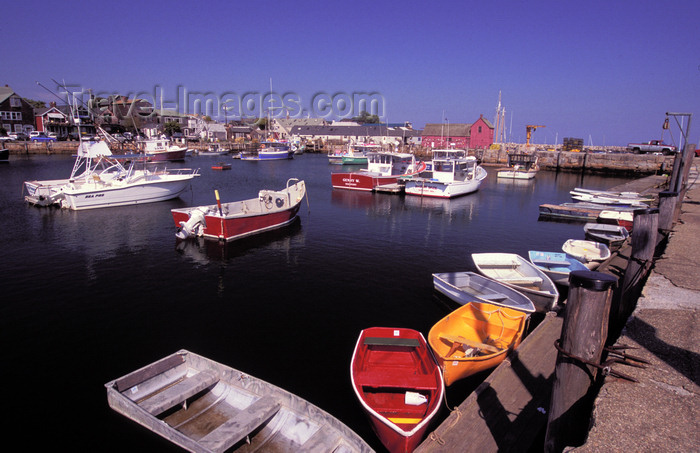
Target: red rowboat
398,383
238,219
382,168
221,166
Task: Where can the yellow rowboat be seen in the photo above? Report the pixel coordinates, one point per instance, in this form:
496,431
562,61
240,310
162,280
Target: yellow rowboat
475,337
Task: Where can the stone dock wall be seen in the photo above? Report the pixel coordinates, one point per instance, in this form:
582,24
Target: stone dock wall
590,162
603,161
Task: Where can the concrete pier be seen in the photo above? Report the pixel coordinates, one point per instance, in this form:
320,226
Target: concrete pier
659,412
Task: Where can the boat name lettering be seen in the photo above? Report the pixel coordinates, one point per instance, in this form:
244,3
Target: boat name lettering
97,195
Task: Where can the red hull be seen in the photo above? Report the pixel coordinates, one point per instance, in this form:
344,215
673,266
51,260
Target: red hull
360,181
167,156
230,229
390,367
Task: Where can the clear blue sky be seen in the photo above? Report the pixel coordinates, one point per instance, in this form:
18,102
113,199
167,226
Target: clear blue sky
604,71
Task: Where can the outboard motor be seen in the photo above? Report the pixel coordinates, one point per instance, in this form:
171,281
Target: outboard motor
194,226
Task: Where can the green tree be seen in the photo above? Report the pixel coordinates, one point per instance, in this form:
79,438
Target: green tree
366,118
261,123
171,127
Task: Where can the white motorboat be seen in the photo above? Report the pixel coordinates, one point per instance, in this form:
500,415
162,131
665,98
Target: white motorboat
453,174
99,179
520,274
162,149
520,166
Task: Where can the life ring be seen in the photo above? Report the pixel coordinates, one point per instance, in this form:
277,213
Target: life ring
279,202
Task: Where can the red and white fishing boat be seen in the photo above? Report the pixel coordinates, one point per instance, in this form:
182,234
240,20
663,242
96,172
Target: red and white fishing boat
159,150
238,219
399,384
382,168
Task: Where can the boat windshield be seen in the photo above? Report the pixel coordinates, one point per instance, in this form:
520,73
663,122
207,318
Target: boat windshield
443,166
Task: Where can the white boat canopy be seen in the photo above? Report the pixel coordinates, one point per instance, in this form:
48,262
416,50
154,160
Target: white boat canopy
93,149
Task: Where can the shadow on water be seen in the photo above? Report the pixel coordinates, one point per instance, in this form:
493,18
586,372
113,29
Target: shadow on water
205,251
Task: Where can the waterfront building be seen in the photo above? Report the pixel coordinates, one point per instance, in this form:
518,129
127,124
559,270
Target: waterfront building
478,135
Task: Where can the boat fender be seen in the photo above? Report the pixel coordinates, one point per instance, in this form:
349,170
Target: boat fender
193,227
279,202
415,399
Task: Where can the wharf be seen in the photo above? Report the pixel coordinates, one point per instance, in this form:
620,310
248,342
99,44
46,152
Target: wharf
390,188
661,411
508,411
589,212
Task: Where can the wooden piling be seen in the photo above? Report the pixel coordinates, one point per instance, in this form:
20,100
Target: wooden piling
644,240
583,336
688,155
667,210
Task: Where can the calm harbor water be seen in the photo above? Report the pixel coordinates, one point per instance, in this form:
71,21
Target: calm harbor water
90,296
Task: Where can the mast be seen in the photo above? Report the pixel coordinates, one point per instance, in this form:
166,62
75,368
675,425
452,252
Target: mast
497,120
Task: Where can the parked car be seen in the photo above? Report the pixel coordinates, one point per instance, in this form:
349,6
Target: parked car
40,137
5,138
18,136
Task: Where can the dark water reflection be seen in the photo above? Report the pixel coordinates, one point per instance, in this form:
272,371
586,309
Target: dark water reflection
90,296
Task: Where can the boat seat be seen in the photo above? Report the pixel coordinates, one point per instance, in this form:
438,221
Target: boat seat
377,379
550,263
522,280
178,393
457,339
242,424
392,341
496,297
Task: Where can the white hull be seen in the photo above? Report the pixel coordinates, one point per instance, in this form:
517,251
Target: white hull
453,174
465,287
91,195
516,174
428,188
516,272
105,182
586,251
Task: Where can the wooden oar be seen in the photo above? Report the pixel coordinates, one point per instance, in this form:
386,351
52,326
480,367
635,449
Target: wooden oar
458,340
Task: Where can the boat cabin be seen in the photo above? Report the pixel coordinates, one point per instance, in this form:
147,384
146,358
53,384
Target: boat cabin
449,154
390,163
274,146
158,144
522,161
454,169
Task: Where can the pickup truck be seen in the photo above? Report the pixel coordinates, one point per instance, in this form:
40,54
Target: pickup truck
40,137
652,146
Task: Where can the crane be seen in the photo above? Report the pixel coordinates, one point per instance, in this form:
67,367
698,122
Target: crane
528,132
